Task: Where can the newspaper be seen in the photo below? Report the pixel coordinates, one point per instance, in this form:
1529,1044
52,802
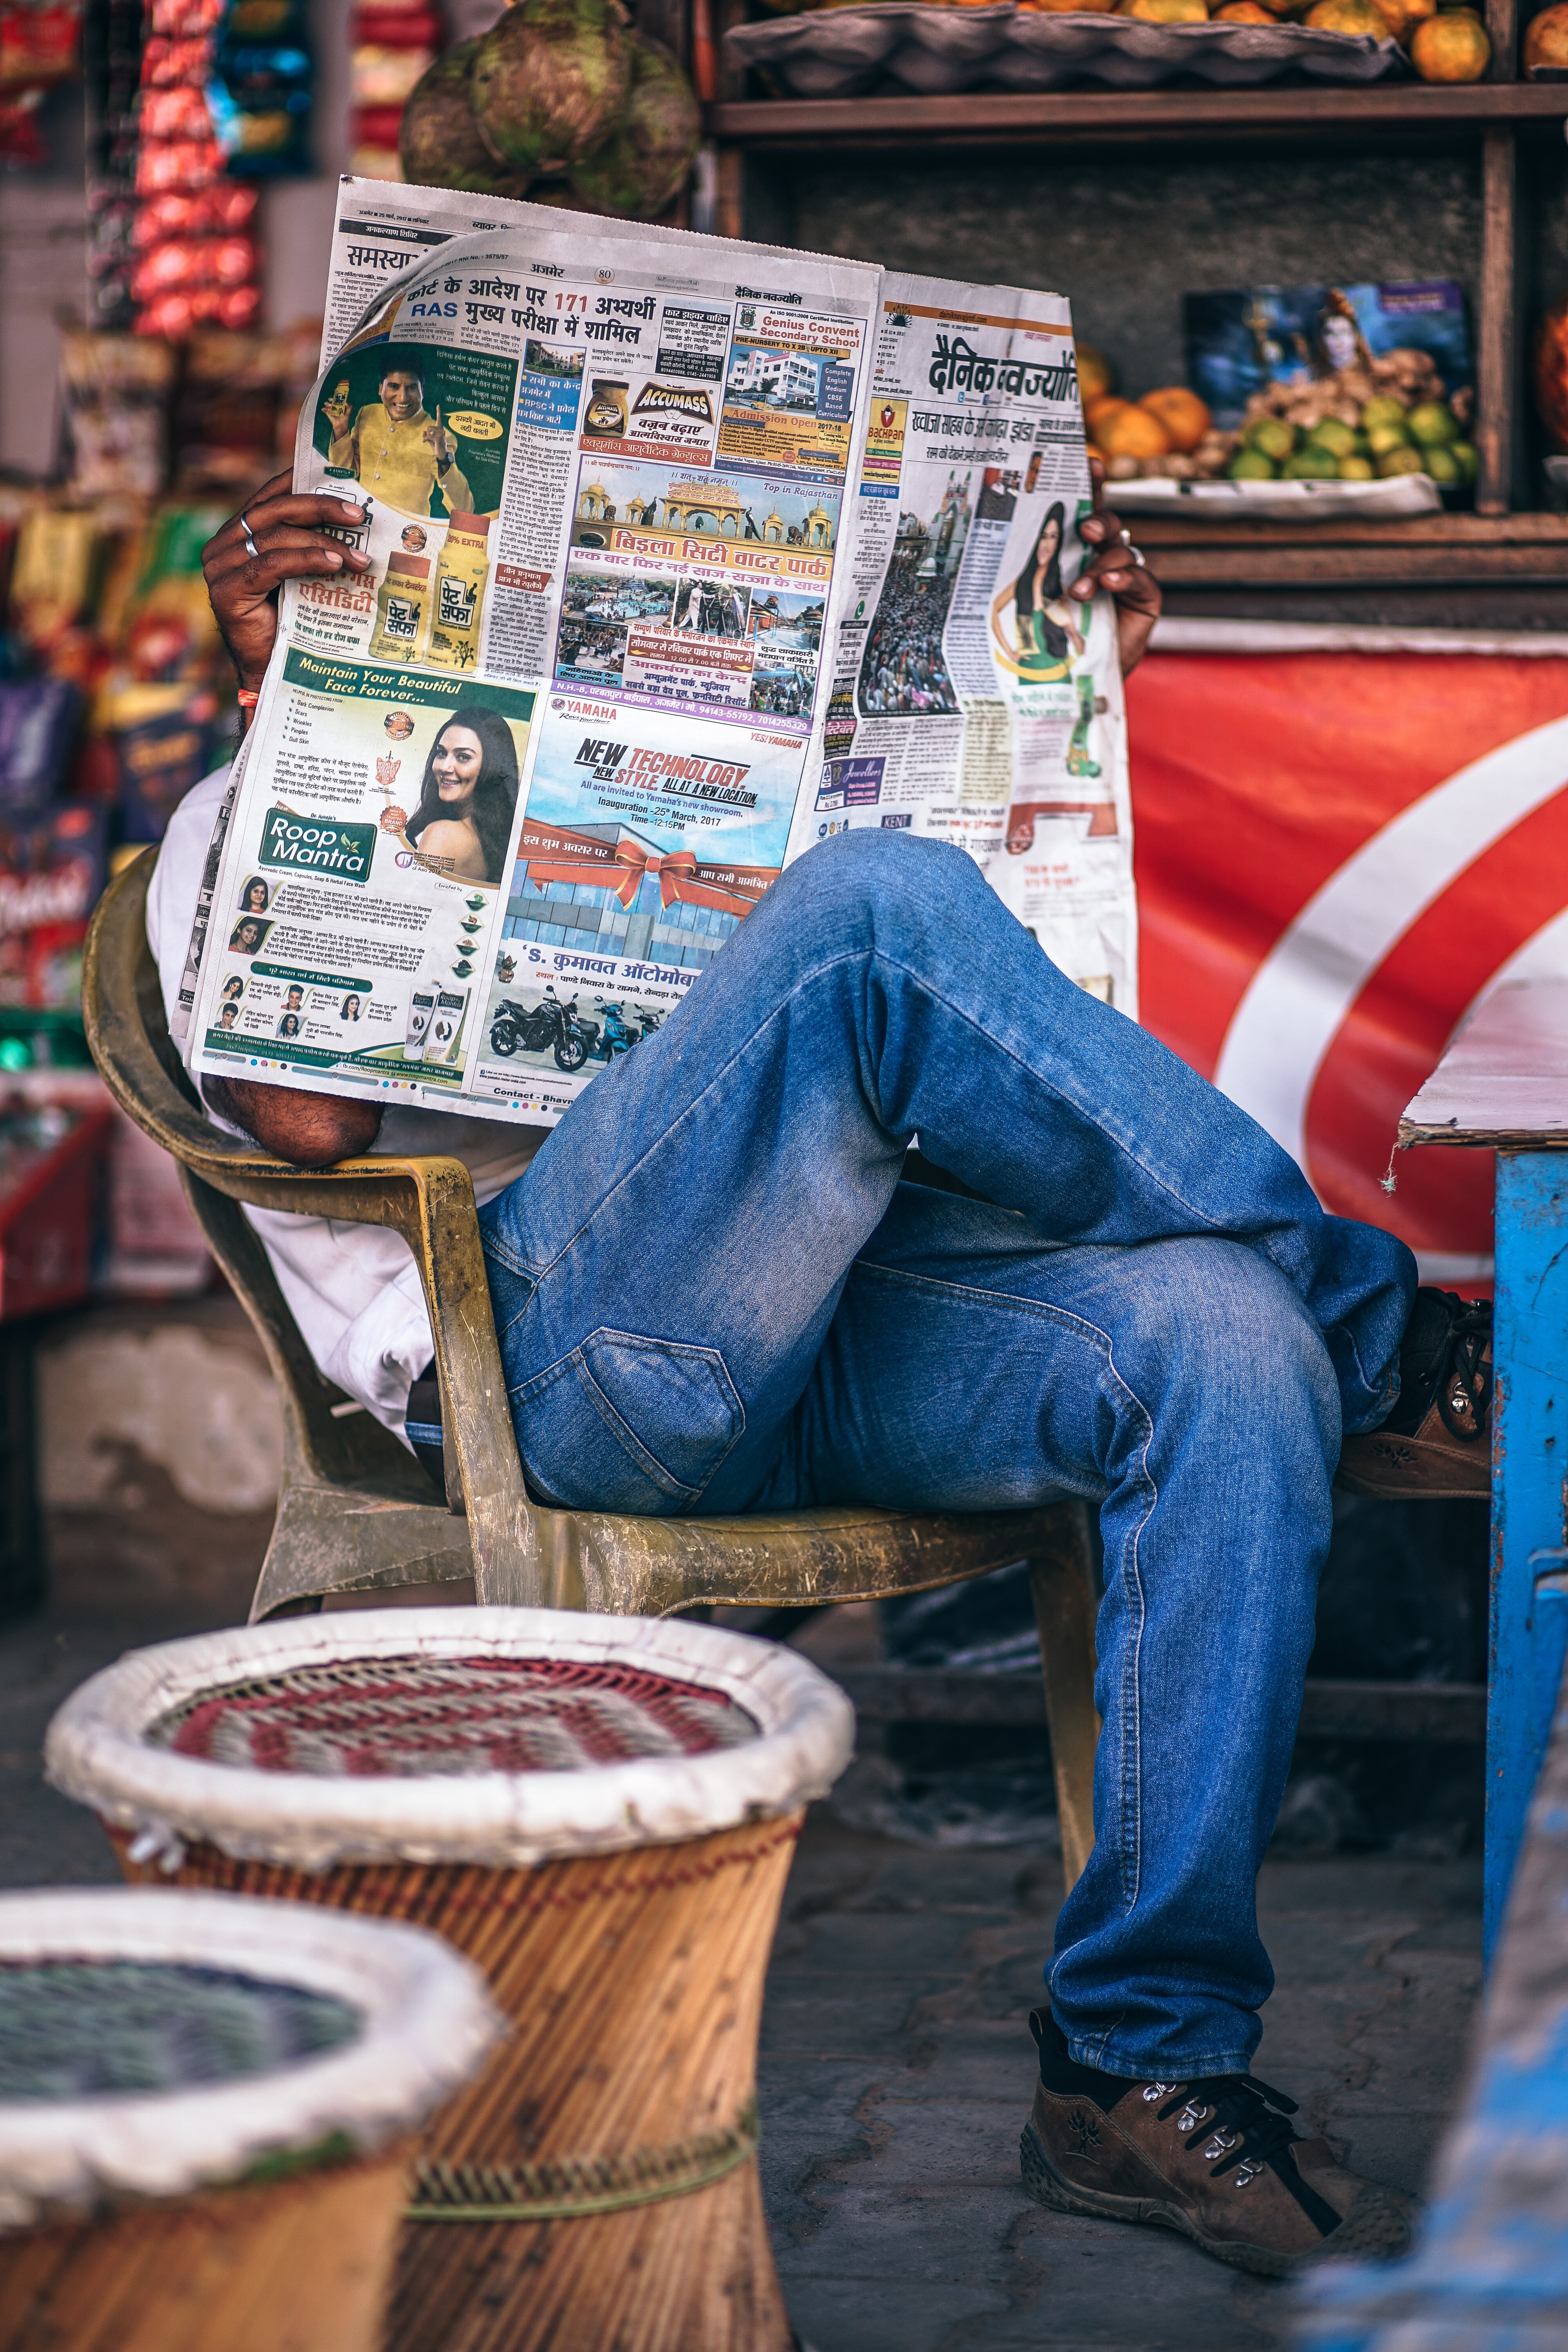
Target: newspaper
682,559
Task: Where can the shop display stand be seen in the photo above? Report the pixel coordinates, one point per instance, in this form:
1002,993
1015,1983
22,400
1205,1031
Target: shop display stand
1491,555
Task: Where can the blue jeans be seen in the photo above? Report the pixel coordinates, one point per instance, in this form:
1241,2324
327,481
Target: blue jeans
714,1294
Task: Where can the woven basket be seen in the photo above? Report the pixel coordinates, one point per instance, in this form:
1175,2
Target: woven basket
208,2113
599,1812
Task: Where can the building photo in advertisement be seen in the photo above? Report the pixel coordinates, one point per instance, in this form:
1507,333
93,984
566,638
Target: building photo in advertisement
626,506
645,838
904,673
420,427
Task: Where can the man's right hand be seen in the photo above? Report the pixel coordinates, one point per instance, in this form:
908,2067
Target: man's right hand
291,541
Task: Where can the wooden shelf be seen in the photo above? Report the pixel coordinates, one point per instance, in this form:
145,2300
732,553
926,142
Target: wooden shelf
1477,551
975,118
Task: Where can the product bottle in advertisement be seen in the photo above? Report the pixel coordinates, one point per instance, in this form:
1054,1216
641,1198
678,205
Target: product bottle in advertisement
401,607
421,1006
460,570
445,1036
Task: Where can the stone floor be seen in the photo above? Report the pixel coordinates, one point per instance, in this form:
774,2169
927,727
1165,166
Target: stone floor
896,2067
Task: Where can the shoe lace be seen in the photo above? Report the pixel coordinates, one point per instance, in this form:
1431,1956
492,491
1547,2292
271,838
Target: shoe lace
1462,1365
1249,2125
1250,2122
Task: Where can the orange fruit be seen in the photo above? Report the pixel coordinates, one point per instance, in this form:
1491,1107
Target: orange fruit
1551,371
1402,16
1242,12
1134,433
1095,374
1451,46
1099,411
1546,38
1360,19
1163,11
1182,414
1066,7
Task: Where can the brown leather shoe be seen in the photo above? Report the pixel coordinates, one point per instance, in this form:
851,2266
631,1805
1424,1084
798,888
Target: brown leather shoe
1436,1441
1213,2159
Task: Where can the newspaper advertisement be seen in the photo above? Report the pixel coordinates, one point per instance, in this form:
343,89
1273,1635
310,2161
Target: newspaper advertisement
970,700
508,789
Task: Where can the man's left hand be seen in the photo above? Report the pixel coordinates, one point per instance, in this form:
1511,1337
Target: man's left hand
442,442
1117,566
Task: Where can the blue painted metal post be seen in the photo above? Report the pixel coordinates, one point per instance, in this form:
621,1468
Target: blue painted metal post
1529,1468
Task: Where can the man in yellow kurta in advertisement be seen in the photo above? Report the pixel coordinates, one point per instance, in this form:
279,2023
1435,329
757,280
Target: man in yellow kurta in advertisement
395,450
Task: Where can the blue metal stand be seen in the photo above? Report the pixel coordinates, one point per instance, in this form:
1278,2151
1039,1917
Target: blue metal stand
1529,1458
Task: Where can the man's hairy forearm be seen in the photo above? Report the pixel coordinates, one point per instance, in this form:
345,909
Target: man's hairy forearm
309,1131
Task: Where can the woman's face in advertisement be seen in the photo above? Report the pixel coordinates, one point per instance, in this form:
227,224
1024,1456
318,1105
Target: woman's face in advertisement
1050,540
459,756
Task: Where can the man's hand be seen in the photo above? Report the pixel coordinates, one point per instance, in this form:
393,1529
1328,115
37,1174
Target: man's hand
442,442
308,1130
338,411
1117,567
292,543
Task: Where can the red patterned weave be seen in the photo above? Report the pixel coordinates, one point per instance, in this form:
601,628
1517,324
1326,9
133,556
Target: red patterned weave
406,1718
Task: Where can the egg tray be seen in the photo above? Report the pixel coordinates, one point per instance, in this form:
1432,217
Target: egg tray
899,48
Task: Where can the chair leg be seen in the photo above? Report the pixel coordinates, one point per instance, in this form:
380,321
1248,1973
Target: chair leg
1064,1611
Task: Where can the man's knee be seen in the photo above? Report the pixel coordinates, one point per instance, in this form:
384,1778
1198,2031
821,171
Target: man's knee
1219,1331
884,880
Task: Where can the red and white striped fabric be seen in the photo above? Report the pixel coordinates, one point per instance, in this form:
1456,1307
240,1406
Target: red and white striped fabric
1345,839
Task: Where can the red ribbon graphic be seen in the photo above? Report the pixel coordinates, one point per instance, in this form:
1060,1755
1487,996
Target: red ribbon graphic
552,854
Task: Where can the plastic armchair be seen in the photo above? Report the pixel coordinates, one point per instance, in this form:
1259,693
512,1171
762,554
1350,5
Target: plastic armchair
356,1512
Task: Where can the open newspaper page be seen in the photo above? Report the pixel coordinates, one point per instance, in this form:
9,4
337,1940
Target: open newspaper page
974,437
383,227
971,701
507,792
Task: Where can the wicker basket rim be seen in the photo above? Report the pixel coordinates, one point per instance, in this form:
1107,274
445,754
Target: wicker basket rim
429,2020
96,1752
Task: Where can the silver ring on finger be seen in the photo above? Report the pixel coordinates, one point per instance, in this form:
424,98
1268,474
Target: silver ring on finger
250,547
1125,536
1135,552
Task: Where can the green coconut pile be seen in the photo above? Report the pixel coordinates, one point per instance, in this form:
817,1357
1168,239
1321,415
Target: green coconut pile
556,89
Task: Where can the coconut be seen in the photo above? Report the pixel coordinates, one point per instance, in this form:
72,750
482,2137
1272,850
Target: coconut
648,154
438,141
550,80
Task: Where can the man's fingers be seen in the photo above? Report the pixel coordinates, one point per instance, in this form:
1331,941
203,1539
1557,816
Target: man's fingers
259,577
302,509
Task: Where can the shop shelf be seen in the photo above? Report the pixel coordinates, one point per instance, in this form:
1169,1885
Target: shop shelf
973,117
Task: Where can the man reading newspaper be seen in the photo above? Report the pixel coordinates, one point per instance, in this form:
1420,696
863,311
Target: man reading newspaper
714,1294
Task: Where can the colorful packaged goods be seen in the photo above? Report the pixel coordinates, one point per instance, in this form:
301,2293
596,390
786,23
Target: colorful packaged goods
115,393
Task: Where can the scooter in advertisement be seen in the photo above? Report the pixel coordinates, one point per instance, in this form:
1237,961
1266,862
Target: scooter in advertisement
619,1035
549,1024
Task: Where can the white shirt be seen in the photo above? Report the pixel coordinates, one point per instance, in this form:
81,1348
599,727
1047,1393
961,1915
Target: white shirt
353,1290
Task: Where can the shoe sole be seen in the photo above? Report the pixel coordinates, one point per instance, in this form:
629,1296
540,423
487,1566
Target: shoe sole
1390,1489
1375,2225
1405,1470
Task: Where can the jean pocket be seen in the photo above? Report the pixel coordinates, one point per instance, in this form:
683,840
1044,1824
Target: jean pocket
630,1423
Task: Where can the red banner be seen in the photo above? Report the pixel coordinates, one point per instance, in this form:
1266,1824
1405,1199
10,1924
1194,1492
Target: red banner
553,854
1338,854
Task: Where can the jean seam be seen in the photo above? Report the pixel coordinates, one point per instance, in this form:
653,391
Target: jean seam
492,1244
1130,1856
625,1436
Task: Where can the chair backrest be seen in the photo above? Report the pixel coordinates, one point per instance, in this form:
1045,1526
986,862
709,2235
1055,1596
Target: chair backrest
428,1199
128,1033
